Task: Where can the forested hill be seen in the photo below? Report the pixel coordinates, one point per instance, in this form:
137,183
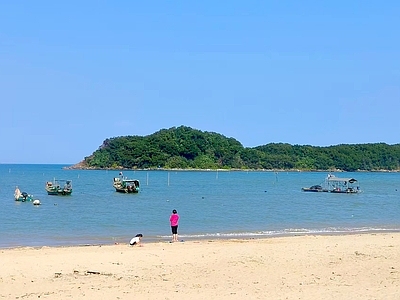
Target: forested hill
186,148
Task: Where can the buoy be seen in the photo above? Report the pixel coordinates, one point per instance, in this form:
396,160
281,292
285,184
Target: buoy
36,202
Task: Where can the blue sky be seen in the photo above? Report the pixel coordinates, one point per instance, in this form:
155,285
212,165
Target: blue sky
74,73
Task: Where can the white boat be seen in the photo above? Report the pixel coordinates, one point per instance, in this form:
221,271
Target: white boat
335,184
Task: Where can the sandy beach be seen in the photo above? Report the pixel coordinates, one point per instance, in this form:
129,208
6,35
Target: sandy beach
361,266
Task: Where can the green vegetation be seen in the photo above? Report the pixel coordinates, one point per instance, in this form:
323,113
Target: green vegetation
187,148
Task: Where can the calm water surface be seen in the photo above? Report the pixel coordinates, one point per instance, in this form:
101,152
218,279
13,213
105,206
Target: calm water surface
211,204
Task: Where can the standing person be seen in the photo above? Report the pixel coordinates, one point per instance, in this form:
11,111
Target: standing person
173,219
17,193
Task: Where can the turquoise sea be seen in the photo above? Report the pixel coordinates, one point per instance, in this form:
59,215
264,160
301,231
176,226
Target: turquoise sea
211,204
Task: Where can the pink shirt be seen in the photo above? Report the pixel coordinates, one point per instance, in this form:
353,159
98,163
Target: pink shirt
174,219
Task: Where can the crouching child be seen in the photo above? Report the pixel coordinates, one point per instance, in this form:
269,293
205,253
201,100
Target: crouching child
137,240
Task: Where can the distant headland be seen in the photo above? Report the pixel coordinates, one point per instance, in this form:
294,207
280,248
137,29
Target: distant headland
185,148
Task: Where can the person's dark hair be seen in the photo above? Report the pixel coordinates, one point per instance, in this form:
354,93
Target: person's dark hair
174,211
139,235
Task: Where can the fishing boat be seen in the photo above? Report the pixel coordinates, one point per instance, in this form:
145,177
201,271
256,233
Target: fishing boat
125,185
314,188
342,185
59,187
23,197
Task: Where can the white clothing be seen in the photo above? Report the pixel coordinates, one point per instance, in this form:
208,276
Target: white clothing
135,240
17,193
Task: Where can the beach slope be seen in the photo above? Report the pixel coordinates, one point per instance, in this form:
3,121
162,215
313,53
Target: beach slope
359,266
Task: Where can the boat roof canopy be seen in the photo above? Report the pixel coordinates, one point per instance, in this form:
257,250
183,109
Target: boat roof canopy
131,180
62,180
337,179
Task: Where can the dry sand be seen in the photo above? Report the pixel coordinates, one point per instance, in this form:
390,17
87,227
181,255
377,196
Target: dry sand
361,266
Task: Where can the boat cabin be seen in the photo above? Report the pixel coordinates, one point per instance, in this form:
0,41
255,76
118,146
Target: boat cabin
342,185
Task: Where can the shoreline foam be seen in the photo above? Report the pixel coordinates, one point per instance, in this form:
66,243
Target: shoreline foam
107,241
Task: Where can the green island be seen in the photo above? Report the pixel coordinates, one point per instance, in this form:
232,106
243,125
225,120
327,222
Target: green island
191,149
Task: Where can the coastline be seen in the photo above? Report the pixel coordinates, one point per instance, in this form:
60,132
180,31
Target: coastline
339,266
81,166
197,238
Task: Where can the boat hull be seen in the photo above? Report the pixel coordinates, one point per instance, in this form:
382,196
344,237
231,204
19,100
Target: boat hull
313,190
348,191
29,198
126,191
59,192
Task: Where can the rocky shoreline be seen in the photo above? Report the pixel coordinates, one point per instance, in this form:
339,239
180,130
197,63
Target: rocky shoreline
82,166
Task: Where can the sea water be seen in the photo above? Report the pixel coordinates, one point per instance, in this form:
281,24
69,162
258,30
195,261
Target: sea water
211,204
